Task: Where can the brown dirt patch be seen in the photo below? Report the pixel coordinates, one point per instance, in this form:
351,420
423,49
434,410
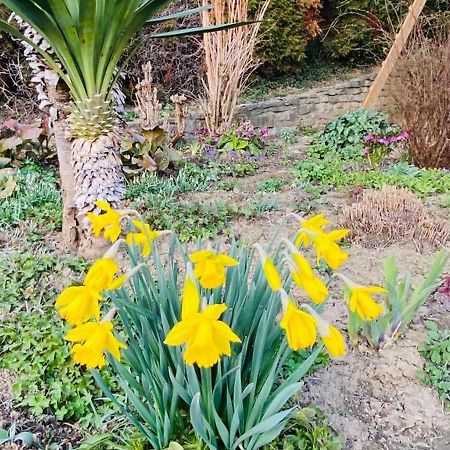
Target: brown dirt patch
374,400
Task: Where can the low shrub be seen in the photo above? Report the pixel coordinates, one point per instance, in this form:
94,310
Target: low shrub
361,31
390,215
420,76
240,142
344,136
287,27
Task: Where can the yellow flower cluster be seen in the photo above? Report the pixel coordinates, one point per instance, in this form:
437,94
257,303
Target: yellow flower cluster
302,324
109,223
207,338
79,304
312,233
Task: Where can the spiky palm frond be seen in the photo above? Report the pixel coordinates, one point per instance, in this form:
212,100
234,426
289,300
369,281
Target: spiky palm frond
88,37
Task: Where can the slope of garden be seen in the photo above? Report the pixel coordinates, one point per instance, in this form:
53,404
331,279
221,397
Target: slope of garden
178,272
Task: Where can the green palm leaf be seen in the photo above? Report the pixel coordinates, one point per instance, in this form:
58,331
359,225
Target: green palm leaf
89,37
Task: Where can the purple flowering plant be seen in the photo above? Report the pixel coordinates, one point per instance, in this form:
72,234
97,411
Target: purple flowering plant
377,148
241,142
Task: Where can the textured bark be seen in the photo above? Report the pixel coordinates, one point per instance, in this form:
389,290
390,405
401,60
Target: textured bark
69,220
59,98
98,176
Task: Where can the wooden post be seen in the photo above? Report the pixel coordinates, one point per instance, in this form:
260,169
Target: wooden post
388,64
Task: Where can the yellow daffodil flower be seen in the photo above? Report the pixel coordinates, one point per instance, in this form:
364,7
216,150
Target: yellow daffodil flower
96,339
210,267
270,271
101,275
334,342
300,327
315,224
144,238
328,250
206,337
362,303
78,304
305,279
108,222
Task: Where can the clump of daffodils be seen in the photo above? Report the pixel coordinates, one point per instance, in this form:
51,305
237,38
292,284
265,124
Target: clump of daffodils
80,305
201,330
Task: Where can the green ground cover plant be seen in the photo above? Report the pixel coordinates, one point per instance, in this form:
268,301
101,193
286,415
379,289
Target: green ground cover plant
308,430
341,174
272,185
445,201
158,199
436,352
32,341
344,136
36,197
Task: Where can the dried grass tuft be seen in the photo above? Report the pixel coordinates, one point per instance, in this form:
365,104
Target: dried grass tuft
391,215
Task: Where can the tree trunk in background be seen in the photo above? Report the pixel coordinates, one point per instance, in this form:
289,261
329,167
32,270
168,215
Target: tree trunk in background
69,219
60,129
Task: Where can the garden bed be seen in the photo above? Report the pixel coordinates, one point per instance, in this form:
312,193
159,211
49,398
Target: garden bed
369,398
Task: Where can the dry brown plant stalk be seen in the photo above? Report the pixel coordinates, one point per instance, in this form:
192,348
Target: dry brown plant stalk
228,58
147,99
391,215
180,116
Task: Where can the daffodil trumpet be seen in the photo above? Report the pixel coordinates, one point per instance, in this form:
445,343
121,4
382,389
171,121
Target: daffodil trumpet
299,326
360,300
210,267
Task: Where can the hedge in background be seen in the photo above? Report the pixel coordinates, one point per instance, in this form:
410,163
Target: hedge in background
289,24
361,30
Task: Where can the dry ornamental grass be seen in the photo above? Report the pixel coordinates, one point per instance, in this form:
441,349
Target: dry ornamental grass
391,215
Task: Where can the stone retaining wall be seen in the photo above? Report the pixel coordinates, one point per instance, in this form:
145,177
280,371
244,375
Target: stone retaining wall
313,107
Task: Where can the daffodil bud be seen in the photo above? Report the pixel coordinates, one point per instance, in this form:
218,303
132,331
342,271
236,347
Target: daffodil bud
270,271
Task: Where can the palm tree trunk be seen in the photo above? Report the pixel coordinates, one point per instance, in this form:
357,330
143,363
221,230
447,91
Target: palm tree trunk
70,234
69,220
97,169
